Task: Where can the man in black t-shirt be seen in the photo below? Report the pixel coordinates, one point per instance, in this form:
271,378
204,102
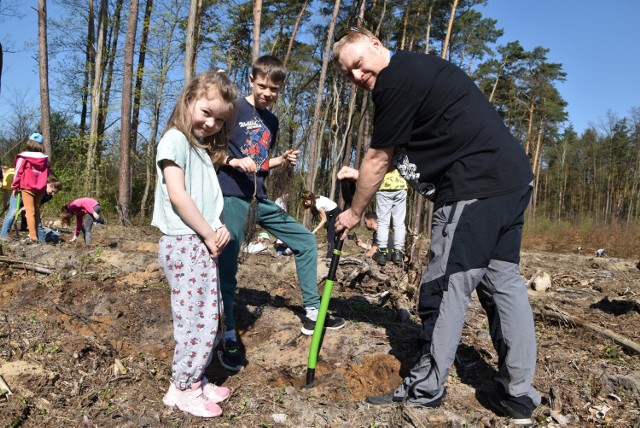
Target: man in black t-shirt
435,126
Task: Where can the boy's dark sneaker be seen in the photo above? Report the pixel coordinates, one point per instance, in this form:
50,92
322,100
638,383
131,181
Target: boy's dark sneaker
389,398
397,257
519,409
380,256
230,356
330,323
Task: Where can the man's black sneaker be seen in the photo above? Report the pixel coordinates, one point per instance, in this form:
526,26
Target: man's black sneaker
520,413
380,256
230,356
397,257
389,398
380,400
331,323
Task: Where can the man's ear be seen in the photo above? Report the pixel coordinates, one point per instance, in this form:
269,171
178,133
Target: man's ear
251,79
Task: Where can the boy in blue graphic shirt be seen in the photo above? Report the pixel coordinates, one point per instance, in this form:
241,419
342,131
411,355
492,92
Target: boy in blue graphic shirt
244,171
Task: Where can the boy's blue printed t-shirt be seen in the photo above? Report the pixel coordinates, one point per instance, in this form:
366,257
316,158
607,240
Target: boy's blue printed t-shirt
200,183
254,135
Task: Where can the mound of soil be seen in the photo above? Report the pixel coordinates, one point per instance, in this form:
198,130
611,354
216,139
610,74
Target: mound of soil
86,341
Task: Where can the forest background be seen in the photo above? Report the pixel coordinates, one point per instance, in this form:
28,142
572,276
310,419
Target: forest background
118,66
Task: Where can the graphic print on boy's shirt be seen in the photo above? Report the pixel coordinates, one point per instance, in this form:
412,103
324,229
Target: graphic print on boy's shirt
256,144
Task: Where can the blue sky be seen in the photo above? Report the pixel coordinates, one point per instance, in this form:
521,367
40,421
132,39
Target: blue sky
595,41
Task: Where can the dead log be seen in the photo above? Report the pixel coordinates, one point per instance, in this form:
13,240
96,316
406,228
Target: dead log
27,265
378,299
362,267
557,315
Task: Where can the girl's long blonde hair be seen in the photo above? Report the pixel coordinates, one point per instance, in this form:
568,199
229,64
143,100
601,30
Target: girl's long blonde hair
199,87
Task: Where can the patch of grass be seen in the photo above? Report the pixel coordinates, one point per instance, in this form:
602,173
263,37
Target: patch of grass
244,403
42,348
615,354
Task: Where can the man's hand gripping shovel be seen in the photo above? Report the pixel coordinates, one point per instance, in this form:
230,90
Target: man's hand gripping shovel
347,189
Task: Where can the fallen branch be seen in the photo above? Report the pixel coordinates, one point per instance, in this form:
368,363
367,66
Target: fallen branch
615,337
363,267
27,265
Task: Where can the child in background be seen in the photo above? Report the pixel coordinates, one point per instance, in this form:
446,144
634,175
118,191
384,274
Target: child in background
86,211
7,180
328,211
53,187
30,179
281,248
188,211
260,246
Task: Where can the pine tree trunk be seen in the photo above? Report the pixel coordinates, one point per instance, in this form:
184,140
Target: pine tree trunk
196,37
44,77
124,194
257,15
405,24
110,59
363,136
88,68
96,93
527,144
190,42
137,92
428,35
313,159
295,31
445,45
536,167
347,137
150,158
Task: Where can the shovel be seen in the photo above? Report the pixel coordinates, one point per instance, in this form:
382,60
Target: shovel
347,189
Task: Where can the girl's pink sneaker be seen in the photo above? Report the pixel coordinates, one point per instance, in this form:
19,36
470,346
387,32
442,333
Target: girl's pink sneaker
192,400
214,392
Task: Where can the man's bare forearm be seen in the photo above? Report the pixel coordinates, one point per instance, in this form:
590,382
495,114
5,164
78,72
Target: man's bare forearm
371,173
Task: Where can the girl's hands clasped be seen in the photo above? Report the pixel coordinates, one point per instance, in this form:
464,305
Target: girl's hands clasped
222,237
217,240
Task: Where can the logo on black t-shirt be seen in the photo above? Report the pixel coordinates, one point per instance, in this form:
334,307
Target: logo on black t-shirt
409,171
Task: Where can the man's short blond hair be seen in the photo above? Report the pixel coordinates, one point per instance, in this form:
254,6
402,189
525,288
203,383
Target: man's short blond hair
355,34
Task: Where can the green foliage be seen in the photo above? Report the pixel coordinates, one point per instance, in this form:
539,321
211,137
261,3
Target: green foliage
614,353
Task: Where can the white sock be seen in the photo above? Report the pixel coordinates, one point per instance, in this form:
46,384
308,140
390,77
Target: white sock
312,313
230,335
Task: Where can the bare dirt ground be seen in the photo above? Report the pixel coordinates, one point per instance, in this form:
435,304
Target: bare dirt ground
87,342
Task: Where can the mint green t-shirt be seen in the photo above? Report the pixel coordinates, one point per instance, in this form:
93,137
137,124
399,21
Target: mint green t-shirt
201,184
